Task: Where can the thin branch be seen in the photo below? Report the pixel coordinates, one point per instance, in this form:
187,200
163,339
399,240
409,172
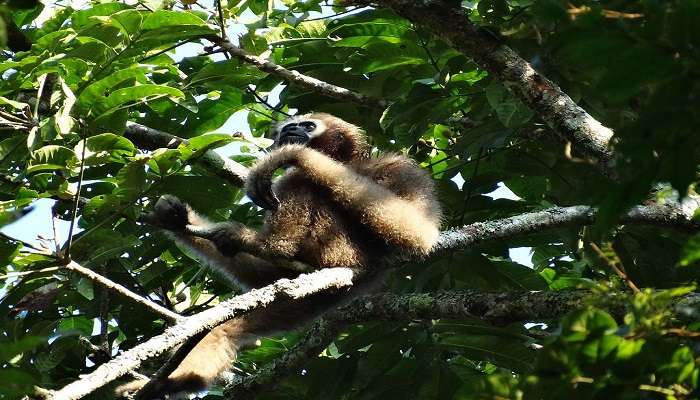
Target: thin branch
302,286
121,290
101,280
28,245
222,24
297,78
613,264
167,49
76,202
450,21
264,102
333,15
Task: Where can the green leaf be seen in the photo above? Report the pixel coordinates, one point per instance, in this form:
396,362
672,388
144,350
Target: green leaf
106,147
199,145
98,90
83,18
211,193
591,322
9,145
52,157
226,72
691,251
164,161
98,247
504,353
509,109
215,112
17,105
79,325
131,180
128,21
382,56
163,18
137,94
10,350
361,34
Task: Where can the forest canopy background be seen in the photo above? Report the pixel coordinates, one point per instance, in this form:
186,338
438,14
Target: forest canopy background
93,101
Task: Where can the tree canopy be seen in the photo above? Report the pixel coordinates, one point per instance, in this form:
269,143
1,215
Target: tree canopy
584,113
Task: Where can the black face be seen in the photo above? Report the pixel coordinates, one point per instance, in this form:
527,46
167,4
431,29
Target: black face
296,133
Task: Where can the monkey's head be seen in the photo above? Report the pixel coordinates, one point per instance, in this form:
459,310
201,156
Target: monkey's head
323,132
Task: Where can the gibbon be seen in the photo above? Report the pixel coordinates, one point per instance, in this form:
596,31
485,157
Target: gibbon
334,206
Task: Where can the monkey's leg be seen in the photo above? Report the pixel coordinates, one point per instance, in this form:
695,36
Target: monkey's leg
220,244
217,351
244,270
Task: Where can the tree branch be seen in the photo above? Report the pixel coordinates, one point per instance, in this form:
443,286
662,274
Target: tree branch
123,291
449,21
149,138
297,78
677,216
302,286
498,308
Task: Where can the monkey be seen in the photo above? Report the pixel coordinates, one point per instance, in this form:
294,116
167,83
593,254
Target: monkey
334,206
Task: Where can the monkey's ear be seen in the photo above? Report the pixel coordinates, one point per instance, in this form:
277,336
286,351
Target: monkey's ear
169,213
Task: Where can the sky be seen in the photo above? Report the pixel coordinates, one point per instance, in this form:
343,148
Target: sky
38,222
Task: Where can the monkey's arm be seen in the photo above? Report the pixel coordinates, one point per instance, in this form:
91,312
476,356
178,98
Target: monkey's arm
406,221
230,247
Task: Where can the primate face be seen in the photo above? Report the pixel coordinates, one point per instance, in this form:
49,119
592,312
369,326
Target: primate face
299,130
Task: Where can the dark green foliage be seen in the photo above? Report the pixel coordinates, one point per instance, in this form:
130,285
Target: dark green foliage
633,65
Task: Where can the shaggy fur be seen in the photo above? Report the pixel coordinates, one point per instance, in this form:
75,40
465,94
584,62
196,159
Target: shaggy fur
333,207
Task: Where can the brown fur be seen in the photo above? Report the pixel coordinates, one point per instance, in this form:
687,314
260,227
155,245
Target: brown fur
337,208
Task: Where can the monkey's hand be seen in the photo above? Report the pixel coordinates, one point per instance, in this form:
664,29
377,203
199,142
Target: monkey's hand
169,213
259,182
227,236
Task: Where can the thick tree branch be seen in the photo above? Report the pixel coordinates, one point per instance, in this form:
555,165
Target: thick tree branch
149,138
498,308
302,286
299,79
450,22
677,216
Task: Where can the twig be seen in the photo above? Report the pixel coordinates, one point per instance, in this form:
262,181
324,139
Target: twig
297,78
222,25
121,290
613,264
28,245
264,102
66,253
334,15
167,49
